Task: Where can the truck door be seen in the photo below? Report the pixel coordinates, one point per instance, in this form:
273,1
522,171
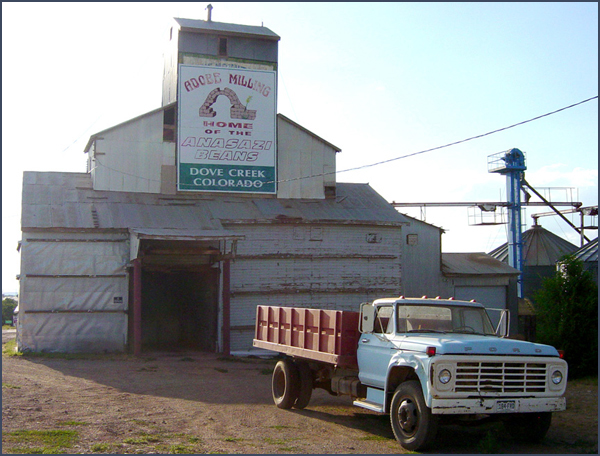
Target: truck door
375,349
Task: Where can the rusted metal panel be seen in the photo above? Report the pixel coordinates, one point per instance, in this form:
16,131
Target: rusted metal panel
323,335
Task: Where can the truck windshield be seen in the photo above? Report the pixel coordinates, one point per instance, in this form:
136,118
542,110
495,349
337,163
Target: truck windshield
444,319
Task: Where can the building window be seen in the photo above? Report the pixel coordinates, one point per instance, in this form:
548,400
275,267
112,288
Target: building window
412,239
169,125
223,46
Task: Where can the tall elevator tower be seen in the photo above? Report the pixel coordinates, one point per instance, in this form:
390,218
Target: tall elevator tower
216,44
512,164
220,99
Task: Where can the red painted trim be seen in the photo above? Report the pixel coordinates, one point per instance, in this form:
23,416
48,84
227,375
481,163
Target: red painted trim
137,307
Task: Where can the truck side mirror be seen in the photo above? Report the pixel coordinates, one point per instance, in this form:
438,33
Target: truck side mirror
504,324
367,317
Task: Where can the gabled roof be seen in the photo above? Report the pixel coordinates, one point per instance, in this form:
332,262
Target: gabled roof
474,264
198,25
540,248
54,200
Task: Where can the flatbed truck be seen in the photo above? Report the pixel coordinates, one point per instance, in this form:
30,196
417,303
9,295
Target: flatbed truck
423,361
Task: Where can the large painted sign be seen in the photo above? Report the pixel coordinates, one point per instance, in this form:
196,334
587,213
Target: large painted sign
226,130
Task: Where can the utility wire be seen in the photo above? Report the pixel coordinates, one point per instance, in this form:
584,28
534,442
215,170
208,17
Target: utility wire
439,147
402,156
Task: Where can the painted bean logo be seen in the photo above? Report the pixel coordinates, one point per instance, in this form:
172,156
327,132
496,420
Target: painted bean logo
237,110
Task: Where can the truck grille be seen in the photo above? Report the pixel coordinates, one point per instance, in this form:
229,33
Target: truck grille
500,377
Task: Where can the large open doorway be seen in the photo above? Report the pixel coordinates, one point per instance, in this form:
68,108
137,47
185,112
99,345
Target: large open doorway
180,309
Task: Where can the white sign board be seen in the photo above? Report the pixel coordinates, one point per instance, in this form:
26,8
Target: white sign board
226,130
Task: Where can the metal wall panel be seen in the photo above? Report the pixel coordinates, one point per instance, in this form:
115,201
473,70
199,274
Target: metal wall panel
300,155
73,292
123,163
316,266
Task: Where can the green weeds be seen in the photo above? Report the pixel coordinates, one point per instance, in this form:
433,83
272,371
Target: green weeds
40,442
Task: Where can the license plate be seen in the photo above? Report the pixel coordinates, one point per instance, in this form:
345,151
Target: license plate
505,406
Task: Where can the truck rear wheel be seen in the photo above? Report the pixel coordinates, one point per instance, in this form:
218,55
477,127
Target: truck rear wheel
284,384
528,427
412,421
305,384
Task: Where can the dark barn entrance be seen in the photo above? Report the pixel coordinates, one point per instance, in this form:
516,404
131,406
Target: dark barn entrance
179,295
180,309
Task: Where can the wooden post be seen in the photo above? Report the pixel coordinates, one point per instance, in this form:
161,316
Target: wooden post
226,307
137,307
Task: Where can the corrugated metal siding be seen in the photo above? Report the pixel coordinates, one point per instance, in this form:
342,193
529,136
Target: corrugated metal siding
286,265
588,253
301,154
421,263
125,165
74,291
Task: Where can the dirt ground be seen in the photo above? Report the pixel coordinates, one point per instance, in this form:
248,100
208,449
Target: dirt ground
200,403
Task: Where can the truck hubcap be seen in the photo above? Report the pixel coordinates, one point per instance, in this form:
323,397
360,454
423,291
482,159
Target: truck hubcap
407,416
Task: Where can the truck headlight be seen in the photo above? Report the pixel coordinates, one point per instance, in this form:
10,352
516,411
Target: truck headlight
444,376
557,377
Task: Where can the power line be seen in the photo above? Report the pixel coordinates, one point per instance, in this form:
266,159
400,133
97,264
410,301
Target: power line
401,156
440,147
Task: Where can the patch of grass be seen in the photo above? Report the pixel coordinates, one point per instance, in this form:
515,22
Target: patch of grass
101,447
10,386
193,439
376,438
187,359
233,439
266,371
223,371
182,449
41,442
10,348
71,423
143,439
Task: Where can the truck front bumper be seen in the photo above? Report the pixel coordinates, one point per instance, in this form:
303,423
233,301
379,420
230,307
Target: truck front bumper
489,406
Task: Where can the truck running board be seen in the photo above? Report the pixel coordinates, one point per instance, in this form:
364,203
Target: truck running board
373,406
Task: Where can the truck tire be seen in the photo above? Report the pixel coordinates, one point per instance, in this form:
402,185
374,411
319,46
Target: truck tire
528,427
284,384
413,423
305,384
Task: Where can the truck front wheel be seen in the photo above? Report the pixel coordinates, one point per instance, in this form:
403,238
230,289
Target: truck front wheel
284,384
412,421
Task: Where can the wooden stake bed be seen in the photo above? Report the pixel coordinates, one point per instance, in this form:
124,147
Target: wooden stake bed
329,336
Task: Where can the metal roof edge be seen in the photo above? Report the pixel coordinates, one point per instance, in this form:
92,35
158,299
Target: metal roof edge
154,111
225,28
291,122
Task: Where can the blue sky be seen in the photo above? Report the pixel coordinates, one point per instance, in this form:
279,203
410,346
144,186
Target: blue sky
378,80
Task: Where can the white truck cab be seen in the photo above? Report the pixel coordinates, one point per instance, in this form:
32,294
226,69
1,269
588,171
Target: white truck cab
422,359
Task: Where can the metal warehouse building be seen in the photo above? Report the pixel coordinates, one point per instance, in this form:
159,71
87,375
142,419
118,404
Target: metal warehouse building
175,234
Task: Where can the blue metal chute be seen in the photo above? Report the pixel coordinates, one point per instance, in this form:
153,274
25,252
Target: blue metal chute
512,164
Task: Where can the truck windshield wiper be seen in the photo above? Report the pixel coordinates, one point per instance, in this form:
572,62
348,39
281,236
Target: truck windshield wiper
427,331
